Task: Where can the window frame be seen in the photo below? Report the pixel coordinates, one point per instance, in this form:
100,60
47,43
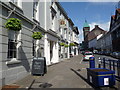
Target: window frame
12,50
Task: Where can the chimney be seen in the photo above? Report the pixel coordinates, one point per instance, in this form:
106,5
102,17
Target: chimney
96,26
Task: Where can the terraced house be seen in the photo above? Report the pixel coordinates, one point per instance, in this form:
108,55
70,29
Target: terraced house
43,30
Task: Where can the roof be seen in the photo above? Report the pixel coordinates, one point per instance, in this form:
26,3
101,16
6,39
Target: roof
95,32
86,24
118,10
113,16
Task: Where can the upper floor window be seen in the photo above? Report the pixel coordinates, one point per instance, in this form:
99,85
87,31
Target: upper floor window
65,29
35,9
53,13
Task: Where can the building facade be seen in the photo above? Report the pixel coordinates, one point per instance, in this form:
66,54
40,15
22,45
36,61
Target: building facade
90,37
18,47
104,43
115,30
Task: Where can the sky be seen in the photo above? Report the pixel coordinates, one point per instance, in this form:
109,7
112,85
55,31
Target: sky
96,13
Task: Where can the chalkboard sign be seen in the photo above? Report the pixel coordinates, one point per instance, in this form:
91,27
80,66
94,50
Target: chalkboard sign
39,66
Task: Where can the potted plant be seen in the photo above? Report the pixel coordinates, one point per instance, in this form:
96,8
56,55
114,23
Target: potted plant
62,44
13,24
37,35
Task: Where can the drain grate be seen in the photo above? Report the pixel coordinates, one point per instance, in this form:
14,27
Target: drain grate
45,85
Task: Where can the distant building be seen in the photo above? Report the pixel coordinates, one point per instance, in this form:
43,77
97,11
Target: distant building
93,35
104,43
90,37
86,30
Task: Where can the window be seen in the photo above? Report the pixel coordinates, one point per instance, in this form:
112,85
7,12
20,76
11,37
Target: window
53,12
35,6
13,1
12,43
12,49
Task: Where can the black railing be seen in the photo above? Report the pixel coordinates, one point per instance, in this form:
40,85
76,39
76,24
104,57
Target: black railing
112,65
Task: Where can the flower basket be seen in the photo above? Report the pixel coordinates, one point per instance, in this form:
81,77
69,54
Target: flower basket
72,44
66,46
13,24
37,35
62,44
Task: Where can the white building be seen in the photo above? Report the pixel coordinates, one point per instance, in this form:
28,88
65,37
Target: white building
16,61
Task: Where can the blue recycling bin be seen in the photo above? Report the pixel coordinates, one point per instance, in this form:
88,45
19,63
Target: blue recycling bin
91,62
101,77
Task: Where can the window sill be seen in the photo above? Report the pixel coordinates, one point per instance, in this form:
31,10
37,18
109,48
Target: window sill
13,61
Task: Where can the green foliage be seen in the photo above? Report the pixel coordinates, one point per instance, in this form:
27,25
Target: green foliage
62,44
66,45
72,44
37,35
13,24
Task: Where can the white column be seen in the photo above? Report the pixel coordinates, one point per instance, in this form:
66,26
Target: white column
37,14
47,50
73,50
68,52
55,53
19,3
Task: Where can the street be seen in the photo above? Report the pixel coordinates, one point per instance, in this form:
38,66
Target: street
70,73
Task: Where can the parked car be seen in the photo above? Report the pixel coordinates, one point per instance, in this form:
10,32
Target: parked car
95,51
107,52
100,52
114,54
117,55
82,52
87,55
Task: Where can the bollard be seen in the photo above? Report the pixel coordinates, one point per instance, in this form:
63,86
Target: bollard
110,64
99,62
104,63
118,68
92,62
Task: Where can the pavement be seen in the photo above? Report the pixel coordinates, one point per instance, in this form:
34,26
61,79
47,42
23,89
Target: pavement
70,73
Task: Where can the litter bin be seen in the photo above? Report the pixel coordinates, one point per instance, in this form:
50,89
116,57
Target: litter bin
39,66
92,62
101,77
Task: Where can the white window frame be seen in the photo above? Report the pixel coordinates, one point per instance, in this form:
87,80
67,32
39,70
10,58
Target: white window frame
12,38
35,9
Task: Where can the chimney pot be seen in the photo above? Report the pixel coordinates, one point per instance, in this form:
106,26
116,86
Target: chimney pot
96,25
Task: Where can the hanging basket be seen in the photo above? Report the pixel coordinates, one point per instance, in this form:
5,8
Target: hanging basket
66,46
13,24
62,44
37,35
72,44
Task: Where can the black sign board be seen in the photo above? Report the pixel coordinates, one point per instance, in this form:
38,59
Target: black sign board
39,66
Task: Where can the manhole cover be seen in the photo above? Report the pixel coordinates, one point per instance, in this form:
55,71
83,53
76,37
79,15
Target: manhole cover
45,85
